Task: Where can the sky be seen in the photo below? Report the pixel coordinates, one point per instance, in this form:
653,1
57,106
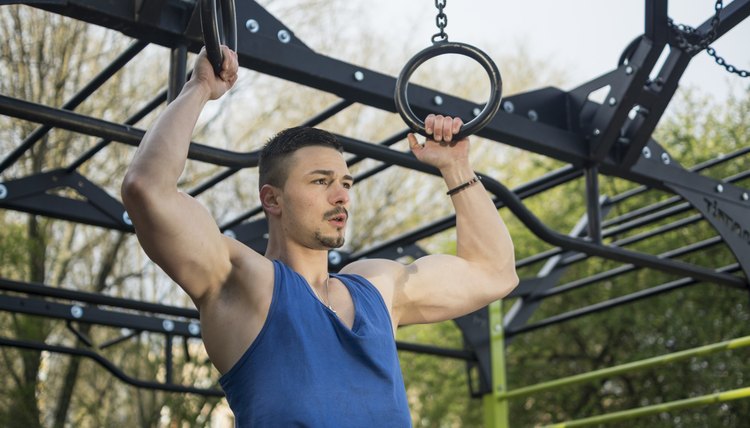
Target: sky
585,37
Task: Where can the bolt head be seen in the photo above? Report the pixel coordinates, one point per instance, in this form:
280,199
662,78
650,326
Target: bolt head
252,25
476,111
596,131
359,76
612,101
168,325
334,257
533,115
76,311
126,218
438,100
665,158
719,188
284,36
508,107
230,233
646,153
3,191
194,328
745,196
628,70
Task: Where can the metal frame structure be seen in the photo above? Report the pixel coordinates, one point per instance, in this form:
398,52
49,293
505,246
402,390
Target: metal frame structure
611,138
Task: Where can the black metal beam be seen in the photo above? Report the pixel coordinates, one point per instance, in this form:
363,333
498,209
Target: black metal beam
109,366
95,83
609,304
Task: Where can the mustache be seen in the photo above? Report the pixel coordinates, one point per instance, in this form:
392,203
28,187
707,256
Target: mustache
335,212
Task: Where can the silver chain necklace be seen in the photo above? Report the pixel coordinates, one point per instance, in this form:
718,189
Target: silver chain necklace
326,302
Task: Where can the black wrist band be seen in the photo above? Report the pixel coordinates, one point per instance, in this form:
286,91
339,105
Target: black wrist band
461,187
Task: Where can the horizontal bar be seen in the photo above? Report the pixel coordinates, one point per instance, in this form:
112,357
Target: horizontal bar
726,345
458,354
74,102
94,298
110,367
125,134
618,301
703,400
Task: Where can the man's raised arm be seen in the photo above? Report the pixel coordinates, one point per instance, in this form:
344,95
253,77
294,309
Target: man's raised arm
176,231
441,287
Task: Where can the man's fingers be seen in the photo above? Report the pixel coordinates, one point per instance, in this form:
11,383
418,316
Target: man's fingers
429,124
457,123
413,143
437,130
447,129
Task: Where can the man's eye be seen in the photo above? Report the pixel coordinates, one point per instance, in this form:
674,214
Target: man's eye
320,181
347,185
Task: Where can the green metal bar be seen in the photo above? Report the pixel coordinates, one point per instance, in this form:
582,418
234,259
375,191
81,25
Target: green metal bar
496,410
616,370
718,397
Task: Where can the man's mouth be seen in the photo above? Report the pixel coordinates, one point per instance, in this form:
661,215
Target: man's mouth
338,219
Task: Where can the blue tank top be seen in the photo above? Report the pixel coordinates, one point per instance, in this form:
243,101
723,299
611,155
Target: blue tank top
307,369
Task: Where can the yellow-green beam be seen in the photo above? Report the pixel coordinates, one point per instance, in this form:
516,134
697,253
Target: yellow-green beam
496,411
624,368
703,400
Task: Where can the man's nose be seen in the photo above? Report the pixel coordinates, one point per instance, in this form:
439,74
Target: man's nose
340,195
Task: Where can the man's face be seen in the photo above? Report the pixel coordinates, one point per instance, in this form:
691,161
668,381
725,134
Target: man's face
315,199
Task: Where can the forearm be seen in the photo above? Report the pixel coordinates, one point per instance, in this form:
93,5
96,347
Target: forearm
481,234
162,154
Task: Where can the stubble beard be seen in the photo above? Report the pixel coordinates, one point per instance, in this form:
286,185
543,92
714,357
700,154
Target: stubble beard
329,241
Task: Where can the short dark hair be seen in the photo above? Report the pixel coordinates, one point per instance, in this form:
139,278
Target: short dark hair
273,158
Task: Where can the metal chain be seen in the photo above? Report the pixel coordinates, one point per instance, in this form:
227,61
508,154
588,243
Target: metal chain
684,32
441,20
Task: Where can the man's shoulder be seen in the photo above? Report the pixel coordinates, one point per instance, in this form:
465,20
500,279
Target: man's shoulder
372,267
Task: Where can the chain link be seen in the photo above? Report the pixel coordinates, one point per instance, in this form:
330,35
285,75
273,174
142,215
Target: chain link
441,21
686,36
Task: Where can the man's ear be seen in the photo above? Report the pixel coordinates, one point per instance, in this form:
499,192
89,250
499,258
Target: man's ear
269,199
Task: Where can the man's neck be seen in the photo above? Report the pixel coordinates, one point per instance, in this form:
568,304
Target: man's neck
310,263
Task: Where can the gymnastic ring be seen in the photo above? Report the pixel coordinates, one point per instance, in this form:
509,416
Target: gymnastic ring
214,35
440,48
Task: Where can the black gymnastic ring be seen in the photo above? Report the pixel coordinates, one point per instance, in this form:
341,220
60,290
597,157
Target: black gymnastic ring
214,35
482,119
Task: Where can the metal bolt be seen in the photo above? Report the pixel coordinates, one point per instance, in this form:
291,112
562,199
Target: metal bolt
646,153
265,236
334,257
508,107
284,36
126,218
745,196
532,115
628,70
3,191
252,25
76,311
612,101
359,76
498,327
719,188
596,131
194,328
438,100
168,325
230,233
665,158
476,111
400,250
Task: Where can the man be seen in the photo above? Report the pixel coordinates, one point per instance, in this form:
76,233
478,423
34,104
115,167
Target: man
295,345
